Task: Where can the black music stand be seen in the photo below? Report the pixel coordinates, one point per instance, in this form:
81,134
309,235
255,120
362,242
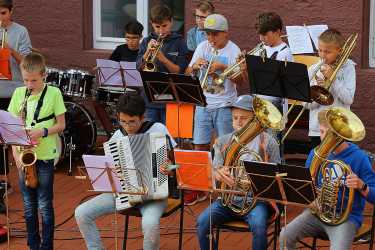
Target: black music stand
12,133
172,88
278,78
285,184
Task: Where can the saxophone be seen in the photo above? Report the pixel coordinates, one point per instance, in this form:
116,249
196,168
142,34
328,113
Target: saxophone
28,156
266,116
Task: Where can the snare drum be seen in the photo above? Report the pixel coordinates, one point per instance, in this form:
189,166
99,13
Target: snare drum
110,95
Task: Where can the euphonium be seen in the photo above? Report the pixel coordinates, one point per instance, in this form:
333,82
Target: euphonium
234,70
150,61
28,157
343,125
266,116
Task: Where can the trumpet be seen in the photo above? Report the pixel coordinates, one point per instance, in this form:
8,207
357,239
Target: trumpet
321,94
150,61
234,70
204,82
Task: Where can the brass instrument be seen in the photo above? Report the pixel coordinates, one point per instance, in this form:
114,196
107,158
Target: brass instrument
204,81
234,70
343,125
321,94
28,157
266,116
150,61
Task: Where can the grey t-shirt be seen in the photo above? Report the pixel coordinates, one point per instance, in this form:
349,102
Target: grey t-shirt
19,40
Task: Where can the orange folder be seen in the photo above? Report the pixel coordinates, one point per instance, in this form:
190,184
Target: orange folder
179,120
195,170
5,72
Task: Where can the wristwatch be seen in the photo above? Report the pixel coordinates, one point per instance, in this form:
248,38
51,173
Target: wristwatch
45,132
364,187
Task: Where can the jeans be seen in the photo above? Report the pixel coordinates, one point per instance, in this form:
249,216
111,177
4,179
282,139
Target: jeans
39,198
155,114
256,218
308,225
104,204
205,121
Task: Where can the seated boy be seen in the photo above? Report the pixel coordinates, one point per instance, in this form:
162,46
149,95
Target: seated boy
130,109
267,148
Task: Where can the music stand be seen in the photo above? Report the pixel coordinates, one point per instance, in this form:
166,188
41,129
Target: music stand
285,184
278,78
12,133
172,88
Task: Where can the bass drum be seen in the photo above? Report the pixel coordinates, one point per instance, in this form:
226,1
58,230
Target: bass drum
80,131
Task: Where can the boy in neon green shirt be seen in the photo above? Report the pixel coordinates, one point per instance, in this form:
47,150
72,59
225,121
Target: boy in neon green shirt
42,108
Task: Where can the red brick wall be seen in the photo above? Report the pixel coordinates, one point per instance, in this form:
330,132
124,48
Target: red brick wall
62,30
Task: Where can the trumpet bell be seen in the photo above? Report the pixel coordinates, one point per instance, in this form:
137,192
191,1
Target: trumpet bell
346,124
321,95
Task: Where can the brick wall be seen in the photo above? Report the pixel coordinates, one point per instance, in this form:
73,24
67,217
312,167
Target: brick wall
63,31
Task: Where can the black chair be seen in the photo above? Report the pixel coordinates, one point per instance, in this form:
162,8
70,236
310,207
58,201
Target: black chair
173,206
241,226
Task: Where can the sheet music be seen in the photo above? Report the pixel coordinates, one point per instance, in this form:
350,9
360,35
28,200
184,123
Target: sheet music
12,129
132,75
95,165
109,72
315,31
299,40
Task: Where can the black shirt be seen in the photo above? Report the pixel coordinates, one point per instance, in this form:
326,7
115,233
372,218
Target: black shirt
123,53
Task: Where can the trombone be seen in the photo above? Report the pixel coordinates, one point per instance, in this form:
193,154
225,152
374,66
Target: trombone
321,94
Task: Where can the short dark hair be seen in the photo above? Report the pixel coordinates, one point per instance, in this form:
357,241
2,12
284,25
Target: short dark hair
134,27
160,13
131,104
6,4
206,6
268,21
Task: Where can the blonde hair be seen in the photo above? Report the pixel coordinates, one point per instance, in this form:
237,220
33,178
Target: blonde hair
206,6
332,36
34,62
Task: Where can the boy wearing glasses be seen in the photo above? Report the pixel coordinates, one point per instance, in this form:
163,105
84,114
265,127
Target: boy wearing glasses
131,110
196,35
128,52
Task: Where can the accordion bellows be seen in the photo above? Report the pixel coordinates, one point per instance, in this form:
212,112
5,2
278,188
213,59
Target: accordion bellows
137,160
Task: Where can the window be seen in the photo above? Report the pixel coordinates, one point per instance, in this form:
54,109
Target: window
372,35
110,17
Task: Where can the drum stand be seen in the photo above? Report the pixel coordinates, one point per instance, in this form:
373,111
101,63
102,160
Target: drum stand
71,147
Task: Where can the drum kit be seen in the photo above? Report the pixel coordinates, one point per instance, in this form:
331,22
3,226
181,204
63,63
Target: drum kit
79,91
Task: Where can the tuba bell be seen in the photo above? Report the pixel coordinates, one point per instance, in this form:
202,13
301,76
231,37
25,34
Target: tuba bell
266,116
343,125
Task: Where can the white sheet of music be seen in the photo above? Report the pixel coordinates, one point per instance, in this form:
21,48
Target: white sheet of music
109,73
132,76
299,40
315,31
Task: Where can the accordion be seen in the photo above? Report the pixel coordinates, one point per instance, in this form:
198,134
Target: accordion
137,161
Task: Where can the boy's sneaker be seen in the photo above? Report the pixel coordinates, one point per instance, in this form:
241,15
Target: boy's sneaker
190,198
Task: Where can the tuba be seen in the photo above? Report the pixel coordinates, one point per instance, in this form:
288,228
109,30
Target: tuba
234,70
28,157
343,125
266,116
150,61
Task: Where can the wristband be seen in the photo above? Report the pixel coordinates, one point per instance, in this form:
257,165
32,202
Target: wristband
45,132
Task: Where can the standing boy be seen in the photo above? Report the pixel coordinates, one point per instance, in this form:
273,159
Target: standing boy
171,57
42,108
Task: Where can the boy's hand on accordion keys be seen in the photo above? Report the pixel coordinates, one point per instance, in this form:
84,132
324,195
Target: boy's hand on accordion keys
165,169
